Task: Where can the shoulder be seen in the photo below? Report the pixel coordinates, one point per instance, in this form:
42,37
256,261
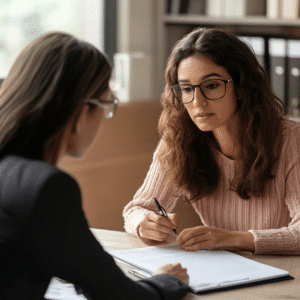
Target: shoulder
291,142
290,130
23,181
17,170
290,126
13,165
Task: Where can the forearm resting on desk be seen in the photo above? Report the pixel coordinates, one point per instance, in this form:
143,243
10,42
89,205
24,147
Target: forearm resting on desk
209,238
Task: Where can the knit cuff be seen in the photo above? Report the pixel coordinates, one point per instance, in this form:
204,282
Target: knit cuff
276,241
133,218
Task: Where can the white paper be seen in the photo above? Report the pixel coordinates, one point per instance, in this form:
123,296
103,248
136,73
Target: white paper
60,290
207,269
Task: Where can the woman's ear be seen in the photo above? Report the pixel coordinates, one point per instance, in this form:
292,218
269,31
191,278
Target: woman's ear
73,138
79,121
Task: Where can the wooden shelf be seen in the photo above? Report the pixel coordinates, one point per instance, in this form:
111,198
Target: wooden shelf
253,21
295,119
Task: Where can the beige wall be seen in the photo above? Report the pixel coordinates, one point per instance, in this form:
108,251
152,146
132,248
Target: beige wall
117,163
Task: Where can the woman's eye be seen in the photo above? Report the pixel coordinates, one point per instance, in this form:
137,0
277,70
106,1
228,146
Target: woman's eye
211,86
186,89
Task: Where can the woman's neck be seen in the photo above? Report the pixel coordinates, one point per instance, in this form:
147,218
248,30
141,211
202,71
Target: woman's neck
227,138
48,157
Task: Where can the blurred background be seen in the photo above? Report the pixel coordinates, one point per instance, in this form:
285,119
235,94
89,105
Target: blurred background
137,37
21,21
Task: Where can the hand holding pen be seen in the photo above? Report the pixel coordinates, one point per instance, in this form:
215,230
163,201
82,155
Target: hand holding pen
163,212
157,227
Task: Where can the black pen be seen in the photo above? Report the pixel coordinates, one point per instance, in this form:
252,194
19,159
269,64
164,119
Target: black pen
163,212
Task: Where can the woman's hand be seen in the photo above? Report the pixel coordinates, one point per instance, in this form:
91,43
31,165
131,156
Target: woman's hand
154,229
209,238
174,269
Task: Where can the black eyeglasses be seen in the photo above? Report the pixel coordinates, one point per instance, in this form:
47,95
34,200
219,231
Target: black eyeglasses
212,89
109,106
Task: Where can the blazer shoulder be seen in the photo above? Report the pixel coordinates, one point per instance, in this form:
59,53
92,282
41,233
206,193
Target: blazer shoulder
17,170
23,179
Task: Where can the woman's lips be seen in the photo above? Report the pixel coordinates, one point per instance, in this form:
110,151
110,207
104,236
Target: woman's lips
202,116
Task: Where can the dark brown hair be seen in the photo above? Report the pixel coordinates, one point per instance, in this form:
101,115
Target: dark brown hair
46,86
187,152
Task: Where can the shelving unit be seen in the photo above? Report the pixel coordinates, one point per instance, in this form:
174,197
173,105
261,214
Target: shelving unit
254,21
170,28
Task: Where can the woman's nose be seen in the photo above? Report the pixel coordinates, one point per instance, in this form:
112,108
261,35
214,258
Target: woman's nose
199,99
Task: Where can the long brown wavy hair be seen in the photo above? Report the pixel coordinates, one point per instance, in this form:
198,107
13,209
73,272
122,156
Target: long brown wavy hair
187,152
46,86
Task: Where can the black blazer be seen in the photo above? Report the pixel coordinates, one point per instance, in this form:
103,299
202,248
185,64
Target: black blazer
44,233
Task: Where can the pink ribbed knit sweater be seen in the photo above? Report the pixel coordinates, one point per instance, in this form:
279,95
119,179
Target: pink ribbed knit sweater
274,220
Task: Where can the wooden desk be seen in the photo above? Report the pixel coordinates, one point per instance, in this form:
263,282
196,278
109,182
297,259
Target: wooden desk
114,240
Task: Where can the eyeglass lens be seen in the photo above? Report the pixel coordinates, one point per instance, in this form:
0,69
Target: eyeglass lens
210,89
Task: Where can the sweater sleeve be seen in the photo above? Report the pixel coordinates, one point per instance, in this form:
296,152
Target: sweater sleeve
59,240
285,240
154,186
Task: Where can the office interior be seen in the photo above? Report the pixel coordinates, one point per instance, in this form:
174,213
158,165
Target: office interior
138,36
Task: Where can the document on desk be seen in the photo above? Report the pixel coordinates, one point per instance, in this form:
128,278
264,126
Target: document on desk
208,270
62,290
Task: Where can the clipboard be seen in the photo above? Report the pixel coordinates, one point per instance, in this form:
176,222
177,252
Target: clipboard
209,270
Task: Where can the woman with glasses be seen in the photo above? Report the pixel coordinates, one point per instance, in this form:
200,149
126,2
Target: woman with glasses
51,105
227,147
